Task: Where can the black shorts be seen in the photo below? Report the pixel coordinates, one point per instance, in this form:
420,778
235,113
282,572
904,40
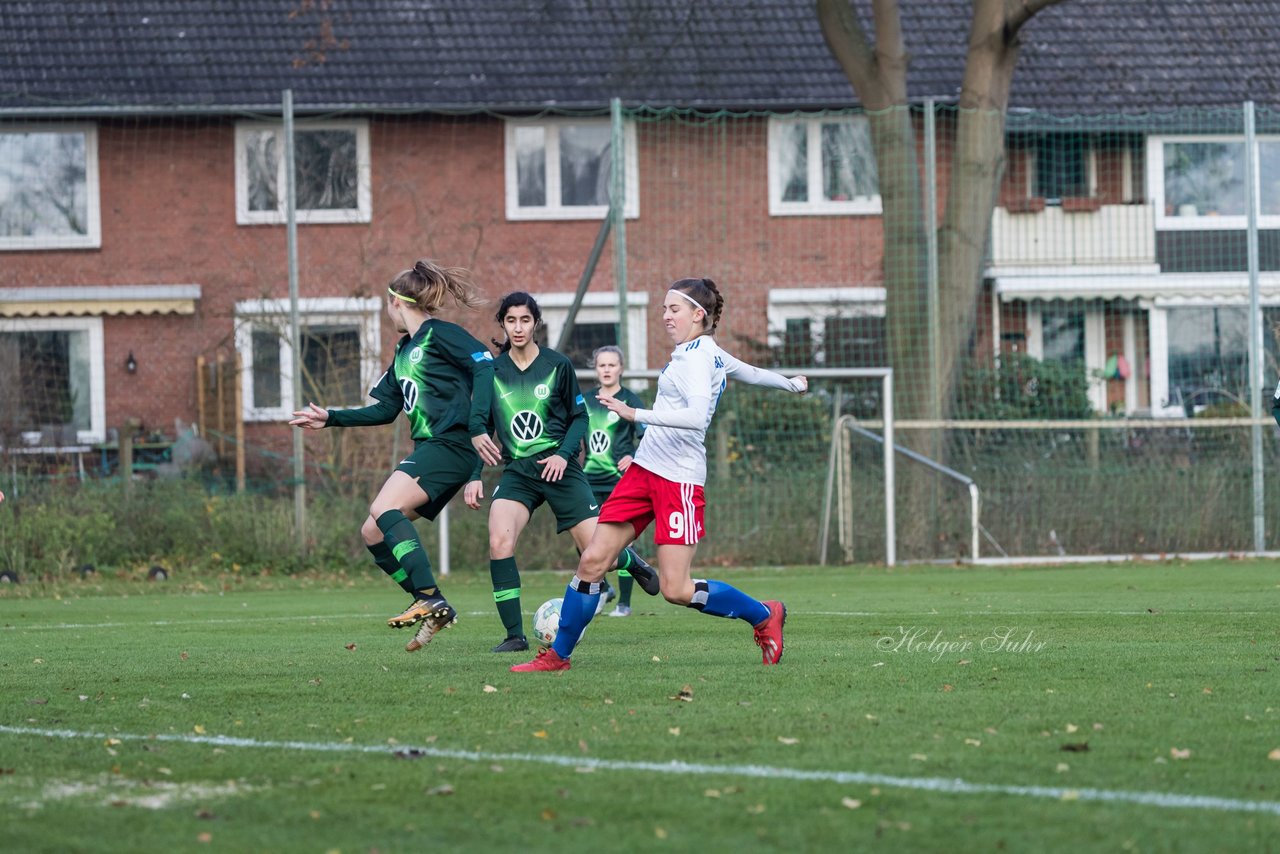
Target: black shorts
570,497
441,467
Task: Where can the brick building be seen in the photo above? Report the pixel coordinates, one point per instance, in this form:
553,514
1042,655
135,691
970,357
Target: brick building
141,184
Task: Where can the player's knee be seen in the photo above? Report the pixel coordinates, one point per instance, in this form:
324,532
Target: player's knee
594,563
677,596
501,544
369,531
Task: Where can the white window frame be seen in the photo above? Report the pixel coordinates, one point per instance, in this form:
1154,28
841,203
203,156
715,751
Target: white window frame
362,313
1155,181
1158,340
92,238
363,212
1095,347
858,205
816,305
554,210
1032,161
97,431
601,308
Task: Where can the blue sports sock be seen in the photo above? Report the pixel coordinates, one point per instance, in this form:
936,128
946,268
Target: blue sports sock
724,600
579,607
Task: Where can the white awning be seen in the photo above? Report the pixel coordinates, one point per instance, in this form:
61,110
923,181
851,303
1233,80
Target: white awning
1156,288
98,300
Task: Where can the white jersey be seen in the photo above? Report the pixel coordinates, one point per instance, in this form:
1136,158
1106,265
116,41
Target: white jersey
689,387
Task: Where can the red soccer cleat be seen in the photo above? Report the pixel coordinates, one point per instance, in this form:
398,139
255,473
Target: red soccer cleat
546,659
769,632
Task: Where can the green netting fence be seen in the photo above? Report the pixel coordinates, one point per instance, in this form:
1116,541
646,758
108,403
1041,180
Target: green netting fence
1095,352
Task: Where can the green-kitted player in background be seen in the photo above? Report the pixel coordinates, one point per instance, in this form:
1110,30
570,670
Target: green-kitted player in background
442,379
540,420
611,442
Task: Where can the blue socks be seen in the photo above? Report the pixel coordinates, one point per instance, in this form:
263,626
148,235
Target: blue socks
724,600
579,607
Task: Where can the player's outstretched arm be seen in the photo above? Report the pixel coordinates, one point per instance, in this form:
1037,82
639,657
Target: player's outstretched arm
750,374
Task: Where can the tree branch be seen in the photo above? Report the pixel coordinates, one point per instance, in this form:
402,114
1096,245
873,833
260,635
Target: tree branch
848,43
1018,12
891,49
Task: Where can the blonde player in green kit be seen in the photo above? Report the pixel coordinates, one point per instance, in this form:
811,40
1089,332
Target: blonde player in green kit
610,445
539,417
442,379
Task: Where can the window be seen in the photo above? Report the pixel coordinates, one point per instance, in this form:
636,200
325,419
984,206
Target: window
49,187
1062,167
1071,332
339,354
1062,335
331,161
561,169
596,324
52,381
822,166
833,327
1208,354
1199,181
586,338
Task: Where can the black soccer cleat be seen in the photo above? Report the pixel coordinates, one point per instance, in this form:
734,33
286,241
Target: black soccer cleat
512,645
644,574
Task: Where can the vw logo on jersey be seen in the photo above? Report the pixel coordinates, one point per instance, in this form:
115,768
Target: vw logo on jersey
599,442
409,391
611,418
416,356
526,425
542,391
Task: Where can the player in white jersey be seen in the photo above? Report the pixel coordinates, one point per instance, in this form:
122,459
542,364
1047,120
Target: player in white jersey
665,482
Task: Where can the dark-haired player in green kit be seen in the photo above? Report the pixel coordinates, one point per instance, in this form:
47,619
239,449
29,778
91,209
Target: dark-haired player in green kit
610,443
540,419
442,379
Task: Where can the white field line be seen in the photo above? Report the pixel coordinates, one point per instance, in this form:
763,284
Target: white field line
954,786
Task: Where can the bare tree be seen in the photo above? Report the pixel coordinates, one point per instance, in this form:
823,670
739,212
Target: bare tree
878,73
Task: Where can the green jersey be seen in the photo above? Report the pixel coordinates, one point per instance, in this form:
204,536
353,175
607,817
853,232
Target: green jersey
537,410
440,377
610,438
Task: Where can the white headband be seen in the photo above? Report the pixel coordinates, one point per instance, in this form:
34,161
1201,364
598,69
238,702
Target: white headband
691,300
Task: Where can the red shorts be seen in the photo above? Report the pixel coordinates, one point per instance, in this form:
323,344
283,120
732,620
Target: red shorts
641,497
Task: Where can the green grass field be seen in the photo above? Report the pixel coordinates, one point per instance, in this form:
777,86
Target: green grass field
1131,707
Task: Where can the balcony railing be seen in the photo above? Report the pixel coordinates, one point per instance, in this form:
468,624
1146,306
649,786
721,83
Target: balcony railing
1073,234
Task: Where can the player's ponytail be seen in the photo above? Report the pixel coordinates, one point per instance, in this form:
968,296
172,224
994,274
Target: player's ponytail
705,293
427,285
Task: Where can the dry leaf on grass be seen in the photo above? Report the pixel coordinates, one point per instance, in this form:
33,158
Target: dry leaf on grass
1180,753
685,694
1274,755
850,803
489,689
785,740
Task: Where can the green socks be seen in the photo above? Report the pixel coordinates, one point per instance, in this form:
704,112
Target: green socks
506,594
387,562
402,539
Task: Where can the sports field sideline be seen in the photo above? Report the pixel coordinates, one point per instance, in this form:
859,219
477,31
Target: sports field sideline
1125,707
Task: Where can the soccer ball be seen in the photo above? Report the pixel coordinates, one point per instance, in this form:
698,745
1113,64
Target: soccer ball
546,621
